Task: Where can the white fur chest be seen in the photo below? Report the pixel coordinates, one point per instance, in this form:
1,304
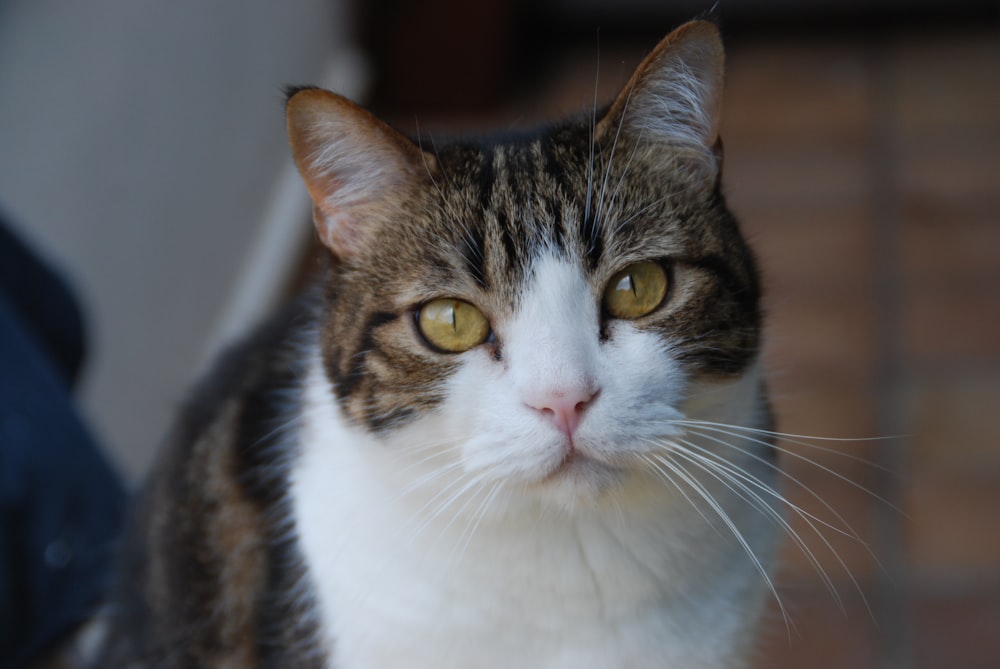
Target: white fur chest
407,580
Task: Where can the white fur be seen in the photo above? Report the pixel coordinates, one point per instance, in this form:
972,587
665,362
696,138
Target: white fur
681,104
446,545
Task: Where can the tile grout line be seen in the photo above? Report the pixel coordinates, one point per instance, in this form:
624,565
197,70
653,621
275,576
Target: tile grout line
895,638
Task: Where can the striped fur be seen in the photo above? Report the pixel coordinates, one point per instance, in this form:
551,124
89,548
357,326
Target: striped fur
275,529
488,211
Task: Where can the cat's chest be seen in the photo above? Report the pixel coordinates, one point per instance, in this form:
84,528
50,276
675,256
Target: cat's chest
441,644
383,603
431,583
381,608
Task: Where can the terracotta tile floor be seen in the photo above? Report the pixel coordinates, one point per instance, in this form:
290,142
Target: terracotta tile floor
866,173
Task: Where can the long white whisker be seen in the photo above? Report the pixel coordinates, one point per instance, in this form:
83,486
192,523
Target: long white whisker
429,477
449,493
477,518
636,214
621,180
472,481
449,209
725,474
695,485
797,439
610,161
658,466
846,528
593,133
792,454
810,519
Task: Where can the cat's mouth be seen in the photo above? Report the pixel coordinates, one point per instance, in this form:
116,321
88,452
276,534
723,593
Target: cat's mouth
577,465
572,459
578,479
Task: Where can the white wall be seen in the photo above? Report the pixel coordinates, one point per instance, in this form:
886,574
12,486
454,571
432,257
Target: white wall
142,148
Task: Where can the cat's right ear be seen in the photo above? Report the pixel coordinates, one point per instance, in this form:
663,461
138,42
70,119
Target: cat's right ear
358,170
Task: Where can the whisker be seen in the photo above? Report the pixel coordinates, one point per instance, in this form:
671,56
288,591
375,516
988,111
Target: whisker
610,160
448,493
800,440
724,471
421,481
280,430
846,530
593,133
621,224
465,483
621,180
798,456
665,473
447,207
699,488
477,518
810,519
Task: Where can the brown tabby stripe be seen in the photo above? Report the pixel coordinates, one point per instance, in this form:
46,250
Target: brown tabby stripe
208,534
474,254
475,234
348,383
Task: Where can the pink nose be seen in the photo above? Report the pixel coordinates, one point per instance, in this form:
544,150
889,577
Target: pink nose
564,409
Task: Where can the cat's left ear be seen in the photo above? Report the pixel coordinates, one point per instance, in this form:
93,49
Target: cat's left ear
361,173
674,97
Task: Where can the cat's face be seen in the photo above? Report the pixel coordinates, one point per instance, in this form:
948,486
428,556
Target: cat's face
541,313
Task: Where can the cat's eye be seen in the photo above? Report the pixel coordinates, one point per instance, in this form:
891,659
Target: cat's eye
636,290
452,325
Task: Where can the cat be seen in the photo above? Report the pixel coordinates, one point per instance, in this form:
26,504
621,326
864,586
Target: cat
516,422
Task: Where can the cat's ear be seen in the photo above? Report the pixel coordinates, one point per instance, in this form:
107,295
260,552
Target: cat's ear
675,96
358,170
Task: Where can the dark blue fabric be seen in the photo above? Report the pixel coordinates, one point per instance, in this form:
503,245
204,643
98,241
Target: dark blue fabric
61,504
43,303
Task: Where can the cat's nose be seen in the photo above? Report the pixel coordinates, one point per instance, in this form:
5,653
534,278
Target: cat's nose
564,409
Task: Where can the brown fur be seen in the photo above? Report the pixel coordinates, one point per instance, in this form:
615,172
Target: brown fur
212,576
508,201
209,577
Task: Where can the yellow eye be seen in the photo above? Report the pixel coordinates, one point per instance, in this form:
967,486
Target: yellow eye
636,290
452,325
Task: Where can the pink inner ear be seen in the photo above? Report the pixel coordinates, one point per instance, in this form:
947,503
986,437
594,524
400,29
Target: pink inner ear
358,170
675,93
338,230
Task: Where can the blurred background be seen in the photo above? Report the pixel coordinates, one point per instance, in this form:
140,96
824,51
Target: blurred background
142,152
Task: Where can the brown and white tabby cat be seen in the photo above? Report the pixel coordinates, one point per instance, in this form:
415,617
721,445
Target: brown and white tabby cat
515,424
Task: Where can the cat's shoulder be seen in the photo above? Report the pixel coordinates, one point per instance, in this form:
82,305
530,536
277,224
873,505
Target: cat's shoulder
265,361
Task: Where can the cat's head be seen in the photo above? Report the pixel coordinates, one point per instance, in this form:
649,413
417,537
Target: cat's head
546,310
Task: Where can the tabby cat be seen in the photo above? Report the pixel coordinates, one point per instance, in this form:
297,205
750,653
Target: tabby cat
504,427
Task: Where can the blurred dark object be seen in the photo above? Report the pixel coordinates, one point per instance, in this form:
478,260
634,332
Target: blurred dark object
454,58
43,305
434,55
61,505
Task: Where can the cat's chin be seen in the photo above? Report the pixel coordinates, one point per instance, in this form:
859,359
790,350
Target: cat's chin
579,479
